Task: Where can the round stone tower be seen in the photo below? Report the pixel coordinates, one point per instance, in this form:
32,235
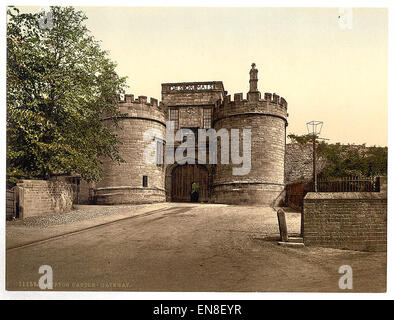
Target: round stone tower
139,179
267,120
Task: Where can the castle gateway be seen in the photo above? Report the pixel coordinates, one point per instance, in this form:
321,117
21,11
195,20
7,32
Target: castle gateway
189,107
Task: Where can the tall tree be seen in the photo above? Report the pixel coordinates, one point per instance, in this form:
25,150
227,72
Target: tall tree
60,84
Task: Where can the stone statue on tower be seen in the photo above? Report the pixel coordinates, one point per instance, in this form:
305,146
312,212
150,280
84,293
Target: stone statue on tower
253,78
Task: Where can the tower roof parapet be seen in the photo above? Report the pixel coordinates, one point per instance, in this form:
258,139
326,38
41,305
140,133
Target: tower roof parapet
272,104
129,107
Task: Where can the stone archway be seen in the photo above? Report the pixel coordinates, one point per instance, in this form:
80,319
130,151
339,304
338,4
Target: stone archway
183,178
179,180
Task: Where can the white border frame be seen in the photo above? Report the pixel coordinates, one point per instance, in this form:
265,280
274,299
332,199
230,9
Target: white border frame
53,295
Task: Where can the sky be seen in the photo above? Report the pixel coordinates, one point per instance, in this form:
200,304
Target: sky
327,73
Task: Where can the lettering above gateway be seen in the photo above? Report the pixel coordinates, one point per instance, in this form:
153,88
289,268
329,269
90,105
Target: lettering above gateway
192,93
192,87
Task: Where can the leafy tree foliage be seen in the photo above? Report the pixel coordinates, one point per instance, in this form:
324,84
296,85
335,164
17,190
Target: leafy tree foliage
60,84
348,160
302,139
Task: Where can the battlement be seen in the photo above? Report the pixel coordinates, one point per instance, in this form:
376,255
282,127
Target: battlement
272,104
130,107
272,98
129,98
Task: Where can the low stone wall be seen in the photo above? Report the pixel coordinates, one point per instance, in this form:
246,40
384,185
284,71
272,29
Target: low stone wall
128,195
86,190
299,163
247,194
41,197
346,220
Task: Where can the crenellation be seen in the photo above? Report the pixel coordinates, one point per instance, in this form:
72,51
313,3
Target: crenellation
154,102
227,100
142,99
128,98
275,106
275,98
283,102
268,120
188,103
238,97
139,103
239,100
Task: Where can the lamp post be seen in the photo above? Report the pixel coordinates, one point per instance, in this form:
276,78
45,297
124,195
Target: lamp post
314,128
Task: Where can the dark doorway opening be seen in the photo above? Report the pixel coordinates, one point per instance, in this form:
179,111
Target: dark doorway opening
195,192
189,183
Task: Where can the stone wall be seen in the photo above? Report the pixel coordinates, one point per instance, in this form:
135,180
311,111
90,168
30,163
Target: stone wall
191,117
123,182
41,197
123,195
298,163
86,192
298,160
267,121
346,220
191,93
264,182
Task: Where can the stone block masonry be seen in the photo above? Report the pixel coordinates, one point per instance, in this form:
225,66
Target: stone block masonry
193,106
267,120
123,182
41,197
346,220
298,163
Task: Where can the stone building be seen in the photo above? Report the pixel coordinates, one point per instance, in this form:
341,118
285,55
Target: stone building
192,106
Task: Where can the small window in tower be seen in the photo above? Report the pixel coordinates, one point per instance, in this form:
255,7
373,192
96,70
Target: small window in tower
207,118
174,116
159,152
145,181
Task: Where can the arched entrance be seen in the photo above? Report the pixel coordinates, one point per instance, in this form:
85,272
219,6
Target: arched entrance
189,182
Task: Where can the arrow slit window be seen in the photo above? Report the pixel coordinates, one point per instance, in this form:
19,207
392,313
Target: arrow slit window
159,151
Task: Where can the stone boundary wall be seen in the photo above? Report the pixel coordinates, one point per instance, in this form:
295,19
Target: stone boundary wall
86,191
299,163
41,197
346,220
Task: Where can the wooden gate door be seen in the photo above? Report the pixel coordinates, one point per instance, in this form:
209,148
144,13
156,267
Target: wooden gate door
182,180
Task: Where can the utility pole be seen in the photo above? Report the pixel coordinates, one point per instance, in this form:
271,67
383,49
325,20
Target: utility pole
314,129
314,164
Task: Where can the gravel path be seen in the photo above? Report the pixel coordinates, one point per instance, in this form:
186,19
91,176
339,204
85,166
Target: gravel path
80,213
180,247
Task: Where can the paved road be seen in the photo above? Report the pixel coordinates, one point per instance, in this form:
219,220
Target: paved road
184,247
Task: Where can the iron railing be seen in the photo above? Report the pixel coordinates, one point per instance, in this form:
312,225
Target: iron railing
349,184
296,192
